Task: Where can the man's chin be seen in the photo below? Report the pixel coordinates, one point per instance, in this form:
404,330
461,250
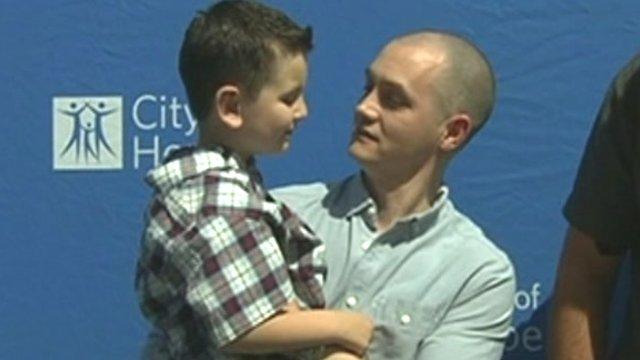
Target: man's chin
362,156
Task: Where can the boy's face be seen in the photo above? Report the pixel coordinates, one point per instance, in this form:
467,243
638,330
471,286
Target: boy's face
270,119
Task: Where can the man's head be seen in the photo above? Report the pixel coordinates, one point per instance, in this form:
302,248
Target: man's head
238,59
427,93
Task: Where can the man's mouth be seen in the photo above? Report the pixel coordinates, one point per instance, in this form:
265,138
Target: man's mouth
360,133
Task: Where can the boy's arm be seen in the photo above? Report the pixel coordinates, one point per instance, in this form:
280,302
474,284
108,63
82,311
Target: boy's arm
234,284
294,330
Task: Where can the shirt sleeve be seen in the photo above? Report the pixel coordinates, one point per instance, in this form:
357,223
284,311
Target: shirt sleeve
240,279
603,202
477,325
216,280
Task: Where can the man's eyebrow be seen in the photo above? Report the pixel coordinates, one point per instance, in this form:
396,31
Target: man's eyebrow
371,76
393,86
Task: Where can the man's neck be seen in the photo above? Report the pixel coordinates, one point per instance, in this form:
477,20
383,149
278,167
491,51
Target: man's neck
400,195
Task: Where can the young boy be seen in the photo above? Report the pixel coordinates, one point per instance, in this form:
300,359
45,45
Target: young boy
223,266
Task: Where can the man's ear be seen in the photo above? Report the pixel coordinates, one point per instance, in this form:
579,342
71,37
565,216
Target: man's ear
227,106
457,130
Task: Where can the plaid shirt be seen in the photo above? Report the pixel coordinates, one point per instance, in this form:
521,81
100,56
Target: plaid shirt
219,256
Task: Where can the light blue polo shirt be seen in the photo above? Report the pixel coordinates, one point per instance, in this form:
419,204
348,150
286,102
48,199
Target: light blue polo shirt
436,287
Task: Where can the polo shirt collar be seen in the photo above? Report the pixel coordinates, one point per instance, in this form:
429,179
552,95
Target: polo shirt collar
356,200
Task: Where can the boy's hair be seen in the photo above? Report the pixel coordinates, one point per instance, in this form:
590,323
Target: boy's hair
235,42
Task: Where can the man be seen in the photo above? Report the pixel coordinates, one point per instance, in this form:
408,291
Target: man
396,247
603,211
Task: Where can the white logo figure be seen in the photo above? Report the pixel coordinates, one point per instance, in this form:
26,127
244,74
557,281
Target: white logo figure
87,133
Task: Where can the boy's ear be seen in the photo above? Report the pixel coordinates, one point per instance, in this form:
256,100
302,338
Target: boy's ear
227,106
457,130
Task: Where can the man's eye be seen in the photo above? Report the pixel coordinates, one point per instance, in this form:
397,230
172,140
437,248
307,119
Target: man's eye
368,87
392,100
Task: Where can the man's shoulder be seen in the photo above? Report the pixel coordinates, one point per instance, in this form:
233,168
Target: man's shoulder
301,193
474,243
312,195
483,264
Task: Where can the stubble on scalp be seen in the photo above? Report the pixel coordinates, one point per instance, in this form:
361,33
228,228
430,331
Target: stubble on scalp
464,81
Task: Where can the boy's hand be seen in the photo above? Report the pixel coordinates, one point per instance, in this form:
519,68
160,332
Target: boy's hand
354,331
293,306
335,353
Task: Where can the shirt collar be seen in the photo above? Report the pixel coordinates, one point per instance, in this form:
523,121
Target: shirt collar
356,200
190,161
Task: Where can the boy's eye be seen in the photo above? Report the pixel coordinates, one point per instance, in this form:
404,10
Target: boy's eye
290,98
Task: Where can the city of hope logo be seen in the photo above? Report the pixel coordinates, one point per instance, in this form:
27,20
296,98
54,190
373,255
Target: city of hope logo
87,133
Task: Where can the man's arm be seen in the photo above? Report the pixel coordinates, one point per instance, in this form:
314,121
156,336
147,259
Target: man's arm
295,330
477,325
584,285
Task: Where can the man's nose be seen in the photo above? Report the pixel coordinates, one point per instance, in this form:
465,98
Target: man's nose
367,109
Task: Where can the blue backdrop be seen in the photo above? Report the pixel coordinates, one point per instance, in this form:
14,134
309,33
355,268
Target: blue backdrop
72,196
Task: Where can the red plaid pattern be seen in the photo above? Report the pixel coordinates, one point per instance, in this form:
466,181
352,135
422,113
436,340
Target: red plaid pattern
219,256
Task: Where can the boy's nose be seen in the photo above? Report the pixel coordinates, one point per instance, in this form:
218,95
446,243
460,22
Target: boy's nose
302,111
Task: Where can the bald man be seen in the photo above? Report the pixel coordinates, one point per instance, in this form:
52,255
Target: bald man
396,246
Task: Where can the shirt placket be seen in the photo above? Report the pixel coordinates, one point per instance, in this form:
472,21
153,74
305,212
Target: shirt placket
366,256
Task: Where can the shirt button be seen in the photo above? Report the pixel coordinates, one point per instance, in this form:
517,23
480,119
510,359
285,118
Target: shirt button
352,301
405,319
366,245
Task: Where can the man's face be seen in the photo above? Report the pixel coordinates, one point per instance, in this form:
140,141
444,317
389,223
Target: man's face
270,118
398,121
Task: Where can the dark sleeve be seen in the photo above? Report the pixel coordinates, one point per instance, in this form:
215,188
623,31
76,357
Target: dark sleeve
604,199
